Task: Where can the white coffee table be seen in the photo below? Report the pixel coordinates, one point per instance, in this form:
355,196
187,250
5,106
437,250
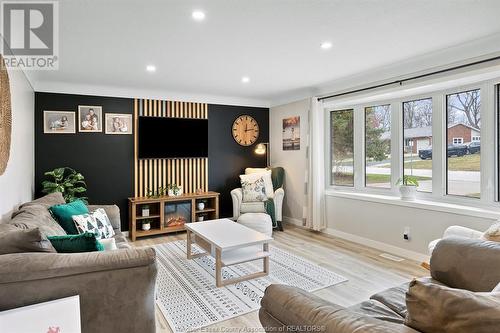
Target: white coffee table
230,243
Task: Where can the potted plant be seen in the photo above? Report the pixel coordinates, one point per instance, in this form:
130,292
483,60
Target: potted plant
174,190
408,187
145,210
146,224
67,181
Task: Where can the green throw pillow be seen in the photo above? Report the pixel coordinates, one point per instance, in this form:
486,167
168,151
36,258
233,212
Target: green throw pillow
64,214
85,242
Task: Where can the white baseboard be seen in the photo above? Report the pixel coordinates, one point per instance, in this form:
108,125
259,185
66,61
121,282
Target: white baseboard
378,245
292,220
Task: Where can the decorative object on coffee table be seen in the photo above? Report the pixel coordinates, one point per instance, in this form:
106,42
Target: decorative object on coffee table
230,243
67,181
5,116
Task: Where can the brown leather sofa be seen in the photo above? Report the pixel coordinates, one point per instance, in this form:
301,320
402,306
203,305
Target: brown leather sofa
116,288
461,263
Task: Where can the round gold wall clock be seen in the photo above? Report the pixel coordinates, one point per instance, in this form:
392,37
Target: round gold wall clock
245,130
5,116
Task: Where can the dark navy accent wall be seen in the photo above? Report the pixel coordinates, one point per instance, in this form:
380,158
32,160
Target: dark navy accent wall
107,161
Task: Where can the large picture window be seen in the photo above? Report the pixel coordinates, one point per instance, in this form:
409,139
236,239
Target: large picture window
378,146
417,141
463,153
342,147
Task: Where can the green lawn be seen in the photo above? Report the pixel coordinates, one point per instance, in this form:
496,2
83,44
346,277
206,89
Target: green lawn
463,163
347,178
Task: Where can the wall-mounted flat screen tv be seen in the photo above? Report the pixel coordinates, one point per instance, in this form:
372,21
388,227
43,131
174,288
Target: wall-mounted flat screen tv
160,137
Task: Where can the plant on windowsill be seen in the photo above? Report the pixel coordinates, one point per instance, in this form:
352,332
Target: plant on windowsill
408,187
67,181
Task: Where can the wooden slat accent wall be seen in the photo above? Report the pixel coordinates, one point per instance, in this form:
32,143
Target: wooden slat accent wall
149,174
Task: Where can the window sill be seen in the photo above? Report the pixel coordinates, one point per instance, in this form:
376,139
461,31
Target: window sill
488,213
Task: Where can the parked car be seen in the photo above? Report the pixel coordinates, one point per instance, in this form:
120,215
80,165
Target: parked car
452,150
474,147
425,153
456,150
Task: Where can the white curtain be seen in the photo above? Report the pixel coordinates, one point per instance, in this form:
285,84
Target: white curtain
314,210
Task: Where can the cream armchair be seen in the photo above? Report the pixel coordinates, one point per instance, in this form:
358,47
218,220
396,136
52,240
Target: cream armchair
240,207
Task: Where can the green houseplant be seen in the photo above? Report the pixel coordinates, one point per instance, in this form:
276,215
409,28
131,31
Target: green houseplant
408,187
67,181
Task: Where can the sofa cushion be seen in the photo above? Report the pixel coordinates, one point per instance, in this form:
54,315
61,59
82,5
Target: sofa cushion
437,308
64,214
121,241
48,200
31,216
85,242
15,240
252,207
394,298
375,309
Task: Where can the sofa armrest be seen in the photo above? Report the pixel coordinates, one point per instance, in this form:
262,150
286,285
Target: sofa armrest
237,197
291,309
113,213
466,263
31,266
458,231
116,288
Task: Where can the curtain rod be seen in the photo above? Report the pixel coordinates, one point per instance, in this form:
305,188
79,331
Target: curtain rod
400,82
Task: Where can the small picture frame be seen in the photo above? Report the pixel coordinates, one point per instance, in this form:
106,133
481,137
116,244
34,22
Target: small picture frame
118,123
59,122
89,118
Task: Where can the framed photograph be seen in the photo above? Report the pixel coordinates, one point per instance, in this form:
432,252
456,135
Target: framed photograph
118,123
89,118
59,122
291,133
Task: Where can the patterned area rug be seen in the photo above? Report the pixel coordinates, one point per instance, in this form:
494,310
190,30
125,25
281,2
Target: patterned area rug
188,298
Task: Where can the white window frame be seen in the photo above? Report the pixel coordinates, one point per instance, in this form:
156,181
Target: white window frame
457,141
439,196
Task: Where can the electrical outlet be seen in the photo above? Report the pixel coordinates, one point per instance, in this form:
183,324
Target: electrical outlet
406,233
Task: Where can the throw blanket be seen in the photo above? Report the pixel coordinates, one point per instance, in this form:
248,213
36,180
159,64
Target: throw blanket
269,206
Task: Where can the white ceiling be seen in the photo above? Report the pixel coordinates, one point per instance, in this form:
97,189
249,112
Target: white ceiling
106,45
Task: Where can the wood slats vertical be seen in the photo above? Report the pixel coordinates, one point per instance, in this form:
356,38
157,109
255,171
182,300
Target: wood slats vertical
149,174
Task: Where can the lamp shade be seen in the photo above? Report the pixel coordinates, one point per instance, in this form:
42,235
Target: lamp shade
260,149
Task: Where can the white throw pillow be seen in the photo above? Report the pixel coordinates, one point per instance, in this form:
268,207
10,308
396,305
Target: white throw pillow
96,222
109,244
253,189
252,174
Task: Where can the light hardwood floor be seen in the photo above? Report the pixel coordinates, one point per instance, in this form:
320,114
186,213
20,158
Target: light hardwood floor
367,272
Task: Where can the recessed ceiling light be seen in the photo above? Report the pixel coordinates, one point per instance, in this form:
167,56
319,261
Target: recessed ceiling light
326,45
151,68
245,79
198,15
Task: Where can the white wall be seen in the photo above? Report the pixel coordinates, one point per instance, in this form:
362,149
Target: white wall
293,161
381,225
17,183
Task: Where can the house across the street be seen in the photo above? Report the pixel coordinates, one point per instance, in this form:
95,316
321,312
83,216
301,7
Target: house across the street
419,138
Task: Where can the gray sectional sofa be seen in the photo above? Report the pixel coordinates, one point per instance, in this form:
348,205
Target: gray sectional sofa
461,263
116,288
